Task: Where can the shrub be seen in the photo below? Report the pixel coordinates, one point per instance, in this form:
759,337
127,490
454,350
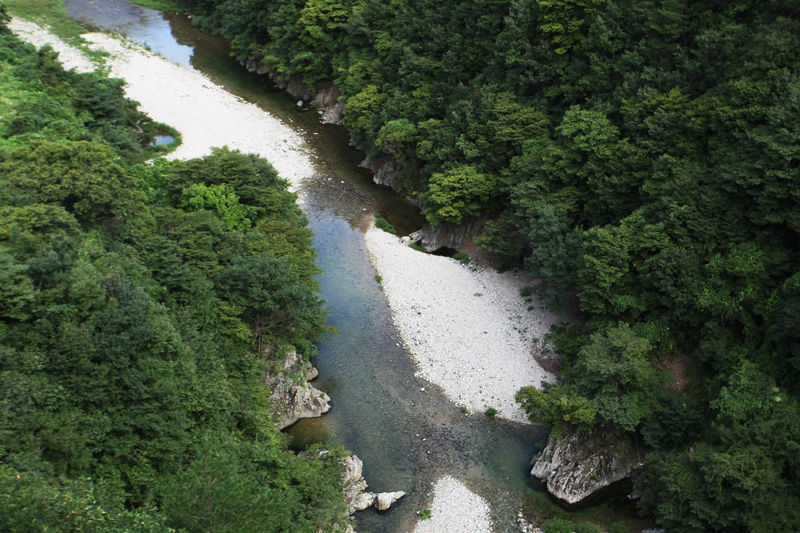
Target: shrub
418,247
526,291
619,527
587,527
425,514
557,525
385,225
491,412
461,257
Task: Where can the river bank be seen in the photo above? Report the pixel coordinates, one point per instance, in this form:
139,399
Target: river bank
456,315
466,326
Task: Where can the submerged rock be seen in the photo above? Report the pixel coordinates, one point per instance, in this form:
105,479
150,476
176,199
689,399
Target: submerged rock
579,468
292,397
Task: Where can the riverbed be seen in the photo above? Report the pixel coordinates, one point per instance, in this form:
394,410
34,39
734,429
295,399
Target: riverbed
405,429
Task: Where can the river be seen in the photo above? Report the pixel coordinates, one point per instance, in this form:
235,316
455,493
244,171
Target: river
406,432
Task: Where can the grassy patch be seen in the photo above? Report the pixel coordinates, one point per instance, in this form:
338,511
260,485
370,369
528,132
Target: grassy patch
48,13
418,247
385,225
461,257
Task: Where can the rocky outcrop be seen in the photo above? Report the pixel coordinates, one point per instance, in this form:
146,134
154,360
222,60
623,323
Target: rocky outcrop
385,170
580,468
292,397
331,109
447,235
355,487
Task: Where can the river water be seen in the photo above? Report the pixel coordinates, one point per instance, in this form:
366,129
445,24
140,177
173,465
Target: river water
404,429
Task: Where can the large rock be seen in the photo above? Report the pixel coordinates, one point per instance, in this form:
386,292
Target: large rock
362,501
292,397
355,485
580,468
384,500
447,235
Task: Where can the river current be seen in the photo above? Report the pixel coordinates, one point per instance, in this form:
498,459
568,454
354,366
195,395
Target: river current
403,428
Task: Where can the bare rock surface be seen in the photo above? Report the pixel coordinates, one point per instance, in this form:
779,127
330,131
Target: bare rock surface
384,500
578,468
291,396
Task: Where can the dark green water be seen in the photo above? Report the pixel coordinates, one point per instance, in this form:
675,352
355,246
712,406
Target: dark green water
405,431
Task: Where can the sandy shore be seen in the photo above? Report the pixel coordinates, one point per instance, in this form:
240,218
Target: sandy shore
468,329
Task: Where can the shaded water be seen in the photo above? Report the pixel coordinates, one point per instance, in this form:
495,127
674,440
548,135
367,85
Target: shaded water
405,431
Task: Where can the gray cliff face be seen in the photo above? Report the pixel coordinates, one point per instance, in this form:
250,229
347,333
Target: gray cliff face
292,397
579,468
454,236
385,170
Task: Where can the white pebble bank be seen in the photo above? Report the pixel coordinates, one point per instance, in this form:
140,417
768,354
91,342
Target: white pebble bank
456,509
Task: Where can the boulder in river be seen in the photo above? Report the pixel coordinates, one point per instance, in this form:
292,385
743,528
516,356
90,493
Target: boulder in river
384,500
580,468
355,487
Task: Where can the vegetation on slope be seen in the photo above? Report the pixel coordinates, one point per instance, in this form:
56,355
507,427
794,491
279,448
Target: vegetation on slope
641,158
141,306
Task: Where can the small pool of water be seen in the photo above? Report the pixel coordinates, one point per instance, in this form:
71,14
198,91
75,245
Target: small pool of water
160,140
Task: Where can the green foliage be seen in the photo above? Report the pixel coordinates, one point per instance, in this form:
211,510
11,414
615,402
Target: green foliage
636,157
461,257
274,303
614,371
222,201
491,412
385,225
619,527
557,407
586,527
558,525
426,514
131,395
457,194
31,502
562,21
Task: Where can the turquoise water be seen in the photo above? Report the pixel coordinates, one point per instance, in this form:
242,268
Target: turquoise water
404,429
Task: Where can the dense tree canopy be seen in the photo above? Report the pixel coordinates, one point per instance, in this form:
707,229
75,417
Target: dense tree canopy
131,395
642,159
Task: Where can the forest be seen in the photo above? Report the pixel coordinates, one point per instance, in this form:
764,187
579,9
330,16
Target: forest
141,306
642,160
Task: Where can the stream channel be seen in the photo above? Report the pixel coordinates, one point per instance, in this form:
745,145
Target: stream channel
404,429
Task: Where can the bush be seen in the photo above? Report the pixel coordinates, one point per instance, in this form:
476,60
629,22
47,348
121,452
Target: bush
526,291
619,527
461,257
418,247
491,412
385,225
586,527
425,514
557,525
